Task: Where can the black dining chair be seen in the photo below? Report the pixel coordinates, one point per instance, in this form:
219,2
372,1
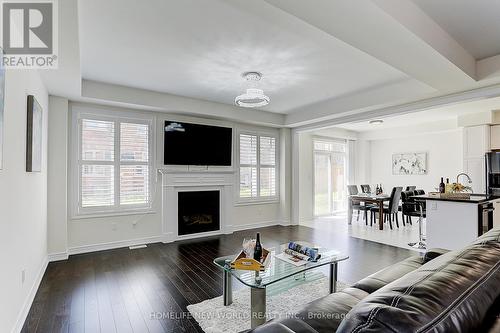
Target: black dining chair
390,211
356,204
366,189
408,207
411,188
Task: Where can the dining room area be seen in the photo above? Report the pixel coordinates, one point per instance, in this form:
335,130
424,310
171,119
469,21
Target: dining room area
362,179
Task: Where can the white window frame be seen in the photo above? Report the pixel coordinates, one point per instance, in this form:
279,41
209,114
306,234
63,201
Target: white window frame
241,201
95,113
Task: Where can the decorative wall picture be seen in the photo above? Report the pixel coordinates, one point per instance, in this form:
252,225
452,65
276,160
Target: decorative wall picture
34,136
2,101
409,164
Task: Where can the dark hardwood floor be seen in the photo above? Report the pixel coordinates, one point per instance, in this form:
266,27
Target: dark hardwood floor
147,290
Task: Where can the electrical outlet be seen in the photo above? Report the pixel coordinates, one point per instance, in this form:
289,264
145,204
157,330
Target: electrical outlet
434,206
134,224
113,226
23,276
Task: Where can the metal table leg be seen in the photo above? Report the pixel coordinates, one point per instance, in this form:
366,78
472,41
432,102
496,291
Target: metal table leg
227,289
333,278
258,306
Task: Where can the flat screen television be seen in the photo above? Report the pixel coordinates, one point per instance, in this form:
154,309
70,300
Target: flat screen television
193,144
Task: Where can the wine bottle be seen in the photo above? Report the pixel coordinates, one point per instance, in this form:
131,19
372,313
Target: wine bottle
257,253
377,190
380,189
442,186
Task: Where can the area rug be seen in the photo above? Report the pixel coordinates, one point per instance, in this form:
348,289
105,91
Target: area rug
214,317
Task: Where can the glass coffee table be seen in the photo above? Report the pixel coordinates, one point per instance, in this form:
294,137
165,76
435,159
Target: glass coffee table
277,270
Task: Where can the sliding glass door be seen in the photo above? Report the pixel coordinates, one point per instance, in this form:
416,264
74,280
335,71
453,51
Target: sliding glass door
330,177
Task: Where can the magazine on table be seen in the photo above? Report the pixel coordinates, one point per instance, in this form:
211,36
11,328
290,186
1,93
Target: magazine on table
298,254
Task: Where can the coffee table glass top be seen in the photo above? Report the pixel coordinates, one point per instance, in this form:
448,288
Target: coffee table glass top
278,269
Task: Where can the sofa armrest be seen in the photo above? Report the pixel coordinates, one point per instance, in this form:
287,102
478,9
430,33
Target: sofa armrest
434,253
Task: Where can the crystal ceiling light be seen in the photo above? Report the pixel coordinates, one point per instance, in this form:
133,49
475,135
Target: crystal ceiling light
254,97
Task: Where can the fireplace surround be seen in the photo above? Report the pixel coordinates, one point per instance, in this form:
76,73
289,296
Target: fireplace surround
177,184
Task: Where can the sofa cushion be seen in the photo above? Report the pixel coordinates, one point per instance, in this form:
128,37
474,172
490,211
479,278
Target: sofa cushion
285,326
379,279
326,313
452,293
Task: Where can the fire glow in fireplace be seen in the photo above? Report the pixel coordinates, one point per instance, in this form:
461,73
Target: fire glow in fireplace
198,211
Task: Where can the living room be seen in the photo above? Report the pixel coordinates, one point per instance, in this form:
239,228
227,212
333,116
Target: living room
161,172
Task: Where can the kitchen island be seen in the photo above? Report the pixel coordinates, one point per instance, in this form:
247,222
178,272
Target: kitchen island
452,223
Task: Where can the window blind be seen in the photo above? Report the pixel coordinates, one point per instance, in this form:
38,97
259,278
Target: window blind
105,180
257,168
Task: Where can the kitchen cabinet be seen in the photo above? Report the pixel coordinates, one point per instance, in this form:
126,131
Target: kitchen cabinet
476,143
495,137
496,214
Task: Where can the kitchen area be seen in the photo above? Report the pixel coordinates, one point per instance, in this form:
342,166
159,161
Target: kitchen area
457,217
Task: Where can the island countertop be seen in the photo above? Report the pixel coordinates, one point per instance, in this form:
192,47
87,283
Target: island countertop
474,198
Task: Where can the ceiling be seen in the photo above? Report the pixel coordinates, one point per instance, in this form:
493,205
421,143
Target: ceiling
200,48
475,24
323,62
449,113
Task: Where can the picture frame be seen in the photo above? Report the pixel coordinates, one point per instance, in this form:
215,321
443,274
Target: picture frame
413,163
34,135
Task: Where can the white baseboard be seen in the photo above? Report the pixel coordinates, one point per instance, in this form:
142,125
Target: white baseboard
167,238
58,256
113,245
21,318
240,227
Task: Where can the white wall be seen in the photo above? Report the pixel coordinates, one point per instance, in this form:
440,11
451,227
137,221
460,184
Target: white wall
444,159
23,203
57,213
87,234
306,186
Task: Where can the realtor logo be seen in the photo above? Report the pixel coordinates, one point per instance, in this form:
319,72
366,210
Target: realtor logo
29,34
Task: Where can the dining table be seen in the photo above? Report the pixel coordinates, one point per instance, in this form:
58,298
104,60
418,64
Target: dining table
367,198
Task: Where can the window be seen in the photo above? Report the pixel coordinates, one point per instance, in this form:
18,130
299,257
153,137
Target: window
113,164
257,167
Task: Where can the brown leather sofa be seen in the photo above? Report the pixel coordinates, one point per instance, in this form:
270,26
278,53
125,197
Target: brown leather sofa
455,291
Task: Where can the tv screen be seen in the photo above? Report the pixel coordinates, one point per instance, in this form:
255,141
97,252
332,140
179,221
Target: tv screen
193,144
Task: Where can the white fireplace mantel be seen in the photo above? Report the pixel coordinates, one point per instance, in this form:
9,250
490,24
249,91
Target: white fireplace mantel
174,182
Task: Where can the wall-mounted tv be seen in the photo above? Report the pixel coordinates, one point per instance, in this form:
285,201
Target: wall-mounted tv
194,144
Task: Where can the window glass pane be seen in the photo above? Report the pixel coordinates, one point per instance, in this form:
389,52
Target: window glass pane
248,149
329,146
322,184
248,182
267,150
134,142
98,140
97,185
134,184
267,182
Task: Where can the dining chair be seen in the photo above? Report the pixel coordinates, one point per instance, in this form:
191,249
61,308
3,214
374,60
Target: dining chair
391,210
357,204
408,207
366,188
411,188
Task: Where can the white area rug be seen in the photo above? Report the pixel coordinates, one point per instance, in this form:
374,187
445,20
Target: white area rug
214,317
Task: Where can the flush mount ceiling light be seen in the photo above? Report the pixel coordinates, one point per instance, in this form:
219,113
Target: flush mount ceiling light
376,122
253,97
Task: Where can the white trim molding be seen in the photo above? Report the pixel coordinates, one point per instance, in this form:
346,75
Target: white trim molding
58,256
113,245
23,314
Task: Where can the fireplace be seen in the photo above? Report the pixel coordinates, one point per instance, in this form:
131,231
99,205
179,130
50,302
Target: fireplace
198,211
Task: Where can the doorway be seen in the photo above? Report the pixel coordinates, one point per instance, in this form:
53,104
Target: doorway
330,177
